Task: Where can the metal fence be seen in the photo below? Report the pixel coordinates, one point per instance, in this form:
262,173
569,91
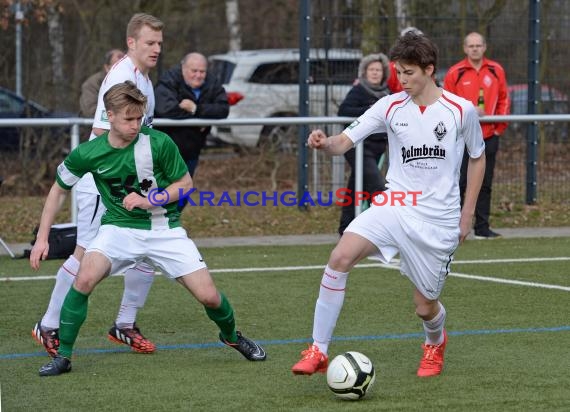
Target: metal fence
530,169
548,174
527,38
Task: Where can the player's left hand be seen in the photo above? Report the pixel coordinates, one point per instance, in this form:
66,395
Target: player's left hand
133,200
464,228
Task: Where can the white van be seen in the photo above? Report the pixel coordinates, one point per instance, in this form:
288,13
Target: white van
265,83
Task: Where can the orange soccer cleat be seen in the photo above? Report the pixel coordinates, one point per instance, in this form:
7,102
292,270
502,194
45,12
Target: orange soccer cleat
313,360
432,361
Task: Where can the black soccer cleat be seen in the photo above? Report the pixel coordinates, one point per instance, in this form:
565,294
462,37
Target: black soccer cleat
49,339
56,366
248,348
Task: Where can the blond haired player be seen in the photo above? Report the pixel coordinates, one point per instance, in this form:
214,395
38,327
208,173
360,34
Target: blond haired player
144,42
130,165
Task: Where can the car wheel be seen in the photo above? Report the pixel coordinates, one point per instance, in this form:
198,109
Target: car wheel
281,139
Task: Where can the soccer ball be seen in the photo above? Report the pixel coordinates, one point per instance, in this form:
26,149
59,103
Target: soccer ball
350,375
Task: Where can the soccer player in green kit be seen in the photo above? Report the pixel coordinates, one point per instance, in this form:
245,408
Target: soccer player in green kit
140,176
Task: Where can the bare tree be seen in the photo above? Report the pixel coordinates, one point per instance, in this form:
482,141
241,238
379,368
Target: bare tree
234,27
402,14
370,26
55,32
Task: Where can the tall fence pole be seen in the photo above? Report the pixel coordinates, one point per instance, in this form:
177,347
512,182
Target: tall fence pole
304,46
19,17
358,175
533,96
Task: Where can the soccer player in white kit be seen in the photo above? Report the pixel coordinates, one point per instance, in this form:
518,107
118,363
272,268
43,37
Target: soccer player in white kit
428,129
144,42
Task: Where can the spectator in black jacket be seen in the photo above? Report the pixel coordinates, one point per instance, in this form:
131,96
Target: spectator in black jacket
373,73
186,92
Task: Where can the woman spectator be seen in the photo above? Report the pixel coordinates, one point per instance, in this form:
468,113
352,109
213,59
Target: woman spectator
371,85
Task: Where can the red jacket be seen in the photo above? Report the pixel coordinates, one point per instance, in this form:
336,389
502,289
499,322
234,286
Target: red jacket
393,82
463,80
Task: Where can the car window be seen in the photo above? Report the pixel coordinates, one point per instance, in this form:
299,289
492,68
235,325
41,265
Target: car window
10,104
552,101
333,71
276,73
222,70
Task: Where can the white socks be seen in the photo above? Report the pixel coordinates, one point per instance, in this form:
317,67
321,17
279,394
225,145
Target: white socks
138,281
63,281
434,328
329,304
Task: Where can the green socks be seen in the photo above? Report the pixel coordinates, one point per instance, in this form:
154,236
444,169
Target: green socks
223,316
73,314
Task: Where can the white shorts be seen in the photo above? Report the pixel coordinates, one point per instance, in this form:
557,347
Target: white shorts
171,250
426,250
90,209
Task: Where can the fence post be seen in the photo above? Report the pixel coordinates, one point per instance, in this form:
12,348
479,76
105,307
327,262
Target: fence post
19,17
304,45
533,96
358,175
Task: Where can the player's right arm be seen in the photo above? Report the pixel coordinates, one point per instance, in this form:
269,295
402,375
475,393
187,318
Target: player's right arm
68,174
370,122
333,145
52,206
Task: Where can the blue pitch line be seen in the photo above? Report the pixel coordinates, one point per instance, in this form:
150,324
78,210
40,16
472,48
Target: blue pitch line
306,340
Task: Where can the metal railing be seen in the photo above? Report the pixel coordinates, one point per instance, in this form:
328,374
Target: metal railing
75,123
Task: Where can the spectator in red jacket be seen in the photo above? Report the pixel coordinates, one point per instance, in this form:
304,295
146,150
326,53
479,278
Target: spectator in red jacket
483,82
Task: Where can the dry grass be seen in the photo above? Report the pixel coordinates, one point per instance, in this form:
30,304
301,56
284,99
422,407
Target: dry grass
225,170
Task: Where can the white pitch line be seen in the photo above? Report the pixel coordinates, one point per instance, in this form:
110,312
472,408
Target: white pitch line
372,265
510,282
15,279
510,260
519,260
499,280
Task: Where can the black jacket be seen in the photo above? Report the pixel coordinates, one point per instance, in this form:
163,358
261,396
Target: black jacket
212,104
356,102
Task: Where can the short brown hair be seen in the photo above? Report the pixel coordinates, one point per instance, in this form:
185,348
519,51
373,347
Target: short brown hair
125,95
417,49
139,20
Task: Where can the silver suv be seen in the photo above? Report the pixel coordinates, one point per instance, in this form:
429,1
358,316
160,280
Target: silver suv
265,83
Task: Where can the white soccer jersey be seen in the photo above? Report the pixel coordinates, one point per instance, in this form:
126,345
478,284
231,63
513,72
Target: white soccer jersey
426,149
121,71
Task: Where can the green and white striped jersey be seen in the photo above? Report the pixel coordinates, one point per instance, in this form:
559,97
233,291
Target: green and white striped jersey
152,161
